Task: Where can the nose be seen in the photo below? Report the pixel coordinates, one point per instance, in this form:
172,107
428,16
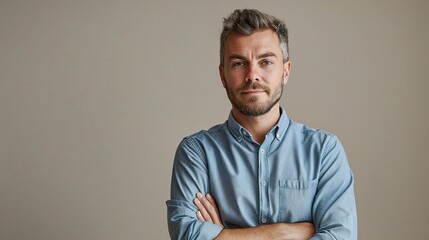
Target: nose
252,73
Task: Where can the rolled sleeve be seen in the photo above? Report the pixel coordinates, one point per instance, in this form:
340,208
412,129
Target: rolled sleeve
182,224
189,176
334,208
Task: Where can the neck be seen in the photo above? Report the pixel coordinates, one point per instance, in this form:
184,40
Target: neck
258,126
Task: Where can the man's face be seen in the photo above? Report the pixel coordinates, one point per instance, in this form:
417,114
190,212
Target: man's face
254,73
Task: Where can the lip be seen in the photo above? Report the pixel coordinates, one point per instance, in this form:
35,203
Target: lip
252,92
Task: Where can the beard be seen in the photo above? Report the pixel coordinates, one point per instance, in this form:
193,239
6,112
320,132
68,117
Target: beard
252,107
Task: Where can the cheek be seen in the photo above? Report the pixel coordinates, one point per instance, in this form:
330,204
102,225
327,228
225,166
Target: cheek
273,72
275,76
234,79
236,74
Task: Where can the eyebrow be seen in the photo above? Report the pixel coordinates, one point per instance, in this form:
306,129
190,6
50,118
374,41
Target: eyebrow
263,55
268,54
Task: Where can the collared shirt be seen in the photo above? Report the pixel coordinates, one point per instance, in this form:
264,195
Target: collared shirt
297,174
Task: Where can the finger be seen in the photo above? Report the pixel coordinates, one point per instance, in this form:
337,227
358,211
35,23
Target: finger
210,209
212,201
200,217
216,218
203,210
207,205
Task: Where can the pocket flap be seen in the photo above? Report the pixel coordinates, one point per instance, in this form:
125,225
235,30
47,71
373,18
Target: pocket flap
298,184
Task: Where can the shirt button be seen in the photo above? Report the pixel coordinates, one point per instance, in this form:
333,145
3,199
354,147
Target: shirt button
278,135
263,183
262,150
264,220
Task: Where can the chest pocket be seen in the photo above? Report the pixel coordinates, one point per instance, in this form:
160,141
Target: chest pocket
296,200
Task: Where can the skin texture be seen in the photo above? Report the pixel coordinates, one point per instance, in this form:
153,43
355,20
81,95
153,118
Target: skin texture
253,76
208,211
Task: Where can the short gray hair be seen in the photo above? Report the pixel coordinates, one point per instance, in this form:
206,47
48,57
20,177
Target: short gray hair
248,21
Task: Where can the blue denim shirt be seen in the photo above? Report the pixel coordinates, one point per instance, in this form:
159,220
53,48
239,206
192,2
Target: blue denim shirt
297,174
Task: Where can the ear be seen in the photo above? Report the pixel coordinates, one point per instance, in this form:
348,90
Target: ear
286,71
222,75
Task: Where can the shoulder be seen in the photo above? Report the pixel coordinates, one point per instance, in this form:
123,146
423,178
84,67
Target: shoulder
306,132
322,144
214,132
204,137
312,138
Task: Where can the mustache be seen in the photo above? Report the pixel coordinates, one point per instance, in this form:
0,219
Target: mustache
252,86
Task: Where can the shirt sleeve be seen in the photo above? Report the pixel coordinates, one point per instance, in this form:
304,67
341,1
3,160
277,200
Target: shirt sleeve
190,176
334,207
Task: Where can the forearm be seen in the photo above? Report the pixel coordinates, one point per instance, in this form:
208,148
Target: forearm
208,212
277,231
182,225
257,233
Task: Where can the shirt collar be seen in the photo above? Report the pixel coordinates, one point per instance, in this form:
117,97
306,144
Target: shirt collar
278,130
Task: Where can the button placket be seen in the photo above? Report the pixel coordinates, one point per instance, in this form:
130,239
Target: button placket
263,184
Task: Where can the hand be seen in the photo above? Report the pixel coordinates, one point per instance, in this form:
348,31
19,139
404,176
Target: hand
207,209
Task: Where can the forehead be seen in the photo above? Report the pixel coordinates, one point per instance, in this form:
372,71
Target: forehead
257,42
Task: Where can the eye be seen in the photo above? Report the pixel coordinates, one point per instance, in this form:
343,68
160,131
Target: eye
238,64
266,62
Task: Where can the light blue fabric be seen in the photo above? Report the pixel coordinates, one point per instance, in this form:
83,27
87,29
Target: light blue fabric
297,174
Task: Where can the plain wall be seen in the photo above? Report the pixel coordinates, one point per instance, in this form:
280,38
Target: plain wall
96,95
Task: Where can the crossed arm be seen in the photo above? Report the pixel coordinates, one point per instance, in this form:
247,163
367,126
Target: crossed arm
333,208
208,211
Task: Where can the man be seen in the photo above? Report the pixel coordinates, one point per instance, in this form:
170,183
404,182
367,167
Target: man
260,175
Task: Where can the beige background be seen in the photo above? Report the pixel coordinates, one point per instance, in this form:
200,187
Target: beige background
96,95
